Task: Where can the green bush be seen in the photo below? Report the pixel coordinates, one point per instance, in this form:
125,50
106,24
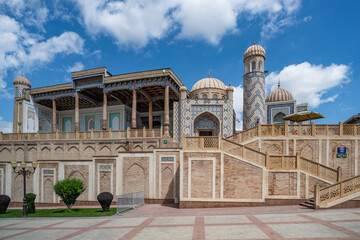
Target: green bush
69,190
30,201
105,199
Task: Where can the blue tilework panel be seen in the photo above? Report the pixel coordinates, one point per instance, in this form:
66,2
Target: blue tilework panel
254,99
176,122
191,108
278,106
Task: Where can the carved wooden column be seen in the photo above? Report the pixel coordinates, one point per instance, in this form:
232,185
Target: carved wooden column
150,115
166,112
104,121
133,119
77,112
54,115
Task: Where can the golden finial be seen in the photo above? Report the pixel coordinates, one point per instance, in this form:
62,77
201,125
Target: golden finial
209,73
254,41
279,83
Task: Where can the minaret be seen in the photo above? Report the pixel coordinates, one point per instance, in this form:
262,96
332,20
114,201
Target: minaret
254,87
20,85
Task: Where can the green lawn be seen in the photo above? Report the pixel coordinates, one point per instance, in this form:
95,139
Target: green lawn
75,212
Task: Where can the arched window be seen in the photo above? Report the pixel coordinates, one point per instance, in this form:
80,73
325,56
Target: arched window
223,97
196,97
215,96
91,124
279,118
253,66
260,66
204,96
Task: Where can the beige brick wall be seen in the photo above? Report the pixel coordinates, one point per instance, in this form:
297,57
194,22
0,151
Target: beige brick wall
79,172
282,183
136,175
242,180
201,178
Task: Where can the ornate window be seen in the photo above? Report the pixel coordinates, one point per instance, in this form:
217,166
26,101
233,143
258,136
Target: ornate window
215,96
204,96
253,66
279,118
196,97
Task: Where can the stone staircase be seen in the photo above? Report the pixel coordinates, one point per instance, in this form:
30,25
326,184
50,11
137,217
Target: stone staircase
309,203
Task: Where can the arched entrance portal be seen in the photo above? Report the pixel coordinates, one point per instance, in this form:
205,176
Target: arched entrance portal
206,124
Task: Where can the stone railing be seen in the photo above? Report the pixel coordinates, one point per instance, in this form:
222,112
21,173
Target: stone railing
336,191
243,151
44,136
244,135
282,162
201,143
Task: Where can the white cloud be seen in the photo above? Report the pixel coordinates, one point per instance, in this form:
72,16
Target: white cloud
309,83
135,23
238,106
78,66
21,49
5,127
32,12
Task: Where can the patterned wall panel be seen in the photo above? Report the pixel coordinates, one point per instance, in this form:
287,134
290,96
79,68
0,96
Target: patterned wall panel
176,122
272,110
254,99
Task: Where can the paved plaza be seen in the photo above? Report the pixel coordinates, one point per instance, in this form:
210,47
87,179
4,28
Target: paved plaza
168,222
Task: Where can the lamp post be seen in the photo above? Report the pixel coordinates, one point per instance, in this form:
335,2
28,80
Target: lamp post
23,171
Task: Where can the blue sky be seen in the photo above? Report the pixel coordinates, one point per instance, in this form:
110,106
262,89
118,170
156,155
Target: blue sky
311,46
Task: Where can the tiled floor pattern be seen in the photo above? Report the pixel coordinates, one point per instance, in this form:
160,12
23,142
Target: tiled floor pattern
328,224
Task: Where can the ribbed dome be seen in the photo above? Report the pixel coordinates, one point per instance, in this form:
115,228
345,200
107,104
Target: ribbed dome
22,80
279,95
208,82
254,50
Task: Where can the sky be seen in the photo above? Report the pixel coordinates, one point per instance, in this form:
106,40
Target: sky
312,46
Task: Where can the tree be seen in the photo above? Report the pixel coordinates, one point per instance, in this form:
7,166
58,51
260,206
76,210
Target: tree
69,190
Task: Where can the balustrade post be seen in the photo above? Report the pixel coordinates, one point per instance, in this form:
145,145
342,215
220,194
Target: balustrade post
161,131
282,162
201,143
219,142
77,134
128,132
299,130
341,189
313,129
286,128
110,133
316,196
339,173
259,129
341,128
47,136
67,135
84,135
101,134
19,136
38,135
135,133
57,134
298,159
152,133
144,132
354,130
326,130
272,129
92,133
267,160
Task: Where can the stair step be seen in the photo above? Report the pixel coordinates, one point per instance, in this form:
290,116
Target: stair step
305,204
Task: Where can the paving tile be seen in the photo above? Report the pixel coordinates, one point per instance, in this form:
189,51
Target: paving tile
124,222
173,221
226,219
165,233
234,232
79,223
352,226
37,223
306,230
107,234
334,216
5,222
44,234
5,233
280,218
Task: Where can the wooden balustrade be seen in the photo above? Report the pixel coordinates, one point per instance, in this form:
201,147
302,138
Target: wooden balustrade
336,191
109,134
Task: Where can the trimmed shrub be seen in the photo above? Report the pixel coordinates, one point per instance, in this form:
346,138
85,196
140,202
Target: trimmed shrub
69,190
4,203
30,201
105,199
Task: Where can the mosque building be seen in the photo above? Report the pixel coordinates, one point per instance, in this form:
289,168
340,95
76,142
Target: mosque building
146,131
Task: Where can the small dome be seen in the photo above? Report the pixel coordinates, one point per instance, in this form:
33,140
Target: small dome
183,88
208,82
279,95
22,80
229,88
254,50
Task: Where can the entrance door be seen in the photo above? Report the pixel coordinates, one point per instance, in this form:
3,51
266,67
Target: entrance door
206,133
